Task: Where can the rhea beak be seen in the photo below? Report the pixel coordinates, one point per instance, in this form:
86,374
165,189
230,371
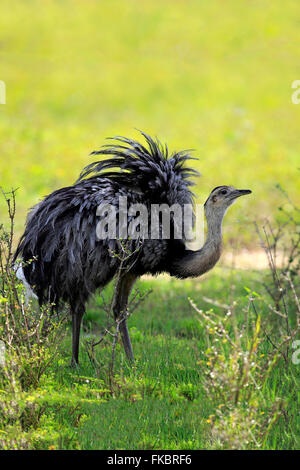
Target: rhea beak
240,192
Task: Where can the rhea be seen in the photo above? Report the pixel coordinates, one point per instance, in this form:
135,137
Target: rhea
65,262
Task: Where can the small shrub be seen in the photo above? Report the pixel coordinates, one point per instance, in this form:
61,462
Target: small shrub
30,339
246,345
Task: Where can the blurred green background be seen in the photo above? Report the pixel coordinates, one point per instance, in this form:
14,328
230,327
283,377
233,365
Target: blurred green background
213,76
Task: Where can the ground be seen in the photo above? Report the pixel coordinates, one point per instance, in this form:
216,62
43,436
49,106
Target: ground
161,403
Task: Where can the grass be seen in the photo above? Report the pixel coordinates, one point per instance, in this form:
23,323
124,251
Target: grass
162,402
197,74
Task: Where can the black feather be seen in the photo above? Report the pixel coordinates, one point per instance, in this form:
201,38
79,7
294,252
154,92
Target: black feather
70,262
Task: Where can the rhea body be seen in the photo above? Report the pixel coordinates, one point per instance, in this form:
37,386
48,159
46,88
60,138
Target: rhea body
64,261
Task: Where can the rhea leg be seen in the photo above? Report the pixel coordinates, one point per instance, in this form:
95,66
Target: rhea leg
77,315
122,291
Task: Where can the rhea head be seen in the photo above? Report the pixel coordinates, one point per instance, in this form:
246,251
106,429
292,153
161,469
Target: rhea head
222,197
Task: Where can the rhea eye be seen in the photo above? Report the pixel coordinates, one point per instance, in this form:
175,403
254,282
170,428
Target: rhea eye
224,191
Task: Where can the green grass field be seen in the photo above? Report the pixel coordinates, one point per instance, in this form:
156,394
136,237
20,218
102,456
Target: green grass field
162,402
211,76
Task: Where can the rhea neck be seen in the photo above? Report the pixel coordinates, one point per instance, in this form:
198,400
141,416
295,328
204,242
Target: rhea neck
214,220
195,263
